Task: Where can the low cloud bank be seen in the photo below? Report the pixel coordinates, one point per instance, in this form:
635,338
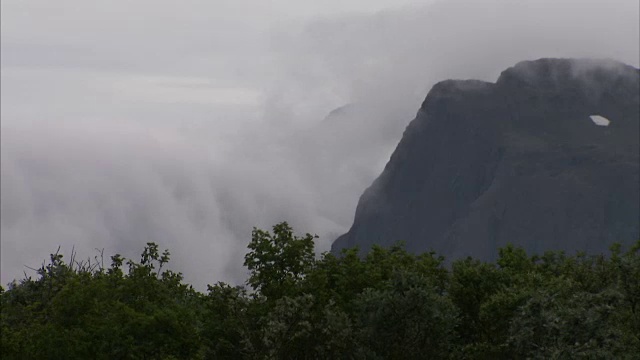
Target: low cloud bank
99,157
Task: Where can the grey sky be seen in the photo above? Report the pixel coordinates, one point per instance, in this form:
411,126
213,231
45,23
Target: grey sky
189,122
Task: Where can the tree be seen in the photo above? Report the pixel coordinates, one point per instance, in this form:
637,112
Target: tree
407,319
278,261
385,304
81,311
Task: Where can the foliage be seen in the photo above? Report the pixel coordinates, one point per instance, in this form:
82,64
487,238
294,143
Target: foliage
278,261
386,304
80,311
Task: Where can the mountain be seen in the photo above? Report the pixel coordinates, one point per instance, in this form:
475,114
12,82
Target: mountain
526,160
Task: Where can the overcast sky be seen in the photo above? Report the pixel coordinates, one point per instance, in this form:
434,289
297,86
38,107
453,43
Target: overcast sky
189,122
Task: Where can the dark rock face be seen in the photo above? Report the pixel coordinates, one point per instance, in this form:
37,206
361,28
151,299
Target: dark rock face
517,161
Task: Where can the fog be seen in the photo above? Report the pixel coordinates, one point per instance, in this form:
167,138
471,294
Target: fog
188,123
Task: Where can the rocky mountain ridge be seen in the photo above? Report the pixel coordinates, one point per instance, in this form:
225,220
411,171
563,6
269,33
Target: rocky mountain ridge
516,161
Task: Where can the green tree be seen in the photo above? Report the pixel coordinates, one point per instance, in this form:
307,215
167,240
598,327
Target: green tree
386,304
278,261
83,311
229,323
472,284
407,319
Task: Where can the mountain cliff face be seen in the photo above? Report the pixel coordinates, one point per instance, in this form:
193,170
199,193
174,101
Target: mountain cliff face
517,161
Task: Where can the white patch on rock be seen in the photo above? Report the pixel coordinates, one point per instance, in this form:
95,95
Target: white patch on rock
600,120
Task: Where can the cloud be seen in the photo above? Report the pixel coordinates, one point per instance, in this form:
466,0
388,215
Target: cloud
188,123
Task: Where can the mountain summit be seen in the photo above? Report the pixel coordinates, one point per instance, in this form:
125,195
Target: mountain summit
546,158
